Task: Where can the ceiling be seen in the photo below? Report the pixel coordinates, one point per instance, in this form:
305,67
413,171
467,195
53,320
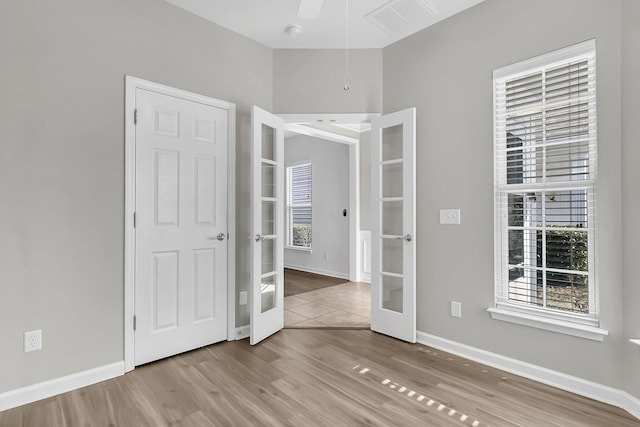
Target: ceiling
372,23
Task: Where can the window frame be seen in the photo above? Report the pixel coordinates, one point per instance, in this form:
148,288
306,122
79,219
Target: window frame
520,312
289,207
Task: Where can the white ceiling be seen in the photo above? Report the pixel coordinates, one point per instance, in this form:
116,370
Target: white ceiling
266,20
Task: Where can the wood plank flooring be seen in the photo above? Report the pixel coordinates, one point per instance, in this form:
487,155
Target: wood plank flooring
297,282
317,378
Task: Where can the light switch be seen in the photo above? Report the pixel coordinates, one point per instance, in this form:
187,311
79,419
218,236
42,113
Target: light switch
449,216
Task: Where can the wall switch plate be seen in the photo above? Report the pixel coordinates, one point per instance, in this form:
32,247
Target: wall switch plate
449,216
32,341
456,309
243,298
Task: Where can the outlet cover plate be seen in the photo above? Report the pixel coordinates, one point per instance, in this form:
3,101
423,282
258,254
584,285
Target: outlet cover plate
243,298
32,341
449,216
456,309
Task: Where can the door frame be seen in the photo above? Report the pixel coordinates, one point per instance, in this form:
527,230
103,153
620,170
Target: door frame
294,122
131,85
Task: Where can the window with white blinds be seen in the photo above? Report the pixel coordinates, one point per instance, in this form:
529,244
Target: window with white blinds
545,176
299,209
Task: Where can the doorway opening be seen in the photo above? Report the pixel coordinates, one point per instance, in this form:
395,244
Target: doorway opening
327,255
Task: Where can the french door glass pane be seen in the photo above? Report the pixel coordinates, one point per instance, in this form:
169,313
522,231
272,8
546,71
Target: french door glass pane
268,218
268,293
268,180
268,255
392,180
268,143
392,217
392,255
392,143
392,289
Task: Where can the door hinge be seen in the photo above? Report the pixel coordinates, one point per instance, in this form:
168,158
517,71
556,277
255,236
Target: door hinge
134,323
135,217
135,116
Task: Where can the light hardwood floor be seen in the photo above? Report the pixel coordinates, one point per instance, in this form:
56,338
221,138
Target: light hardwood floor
317,378
297,282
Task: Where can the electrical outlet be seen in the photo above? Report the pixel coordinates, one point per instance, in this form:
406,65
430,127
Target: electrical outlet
243,298
32,341
449,216
456,309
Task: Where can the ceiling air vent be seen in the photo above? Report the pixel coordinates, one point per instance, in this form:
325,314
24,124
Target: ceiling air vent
398,16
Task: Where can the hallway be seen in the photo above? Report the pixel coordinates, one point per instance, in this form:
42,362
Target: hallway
329,305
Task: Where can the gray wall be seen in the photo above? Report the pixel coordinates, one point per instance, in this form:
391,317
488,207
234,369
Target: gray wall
330,195
631,187
446,72
310,81
62,160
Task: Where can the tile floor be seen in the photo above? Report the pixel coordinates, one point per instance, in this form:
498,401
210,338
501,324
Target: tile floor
347,305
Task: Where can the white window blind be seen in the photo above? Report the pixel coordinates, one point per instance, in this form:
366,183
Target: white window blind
545,176
299,205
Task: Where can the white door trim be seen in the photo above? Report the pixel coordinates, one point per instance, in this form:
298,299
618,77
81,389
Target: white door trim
355,250
133,83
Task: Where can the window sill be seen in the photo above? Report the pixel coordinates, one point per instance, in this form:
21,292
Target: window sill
299,249
548,324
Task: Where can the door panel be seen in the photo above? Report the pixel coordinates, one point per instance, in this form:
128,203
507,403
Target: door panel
267,275
181,225
393,309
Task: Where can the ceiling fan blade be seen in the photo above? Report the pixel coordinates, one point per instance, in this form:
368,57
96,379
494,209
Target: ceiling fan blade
309,9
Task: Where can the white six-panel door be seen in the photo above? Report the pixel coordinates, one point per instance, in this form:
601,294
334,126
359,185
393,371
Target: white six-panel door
267,240
181,225
393,256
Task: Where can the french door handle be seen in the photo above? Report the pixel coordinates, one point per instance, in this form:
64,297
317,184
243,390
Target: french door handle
267,237
408,237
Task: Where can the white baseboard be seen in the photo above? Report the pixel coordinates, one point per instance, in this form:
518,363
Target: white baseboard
590,389
39,391
307,269
241,333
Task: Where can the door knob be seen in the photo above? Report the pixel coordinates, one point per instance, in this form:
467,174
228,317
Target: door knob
259,238
408,237
219,237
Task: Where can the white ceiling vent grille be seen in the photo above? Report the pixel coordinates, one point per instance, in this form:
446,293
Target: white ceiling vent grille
398,16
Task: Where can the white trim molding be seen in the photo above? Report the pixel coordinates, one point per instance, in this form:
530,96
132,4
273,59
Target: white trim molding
586,388
320,271
365,259
45,389
549,324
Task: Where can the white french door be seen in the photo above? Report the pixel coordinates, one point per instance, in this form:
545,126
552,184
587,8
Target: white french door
181,222
267,240
393,255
